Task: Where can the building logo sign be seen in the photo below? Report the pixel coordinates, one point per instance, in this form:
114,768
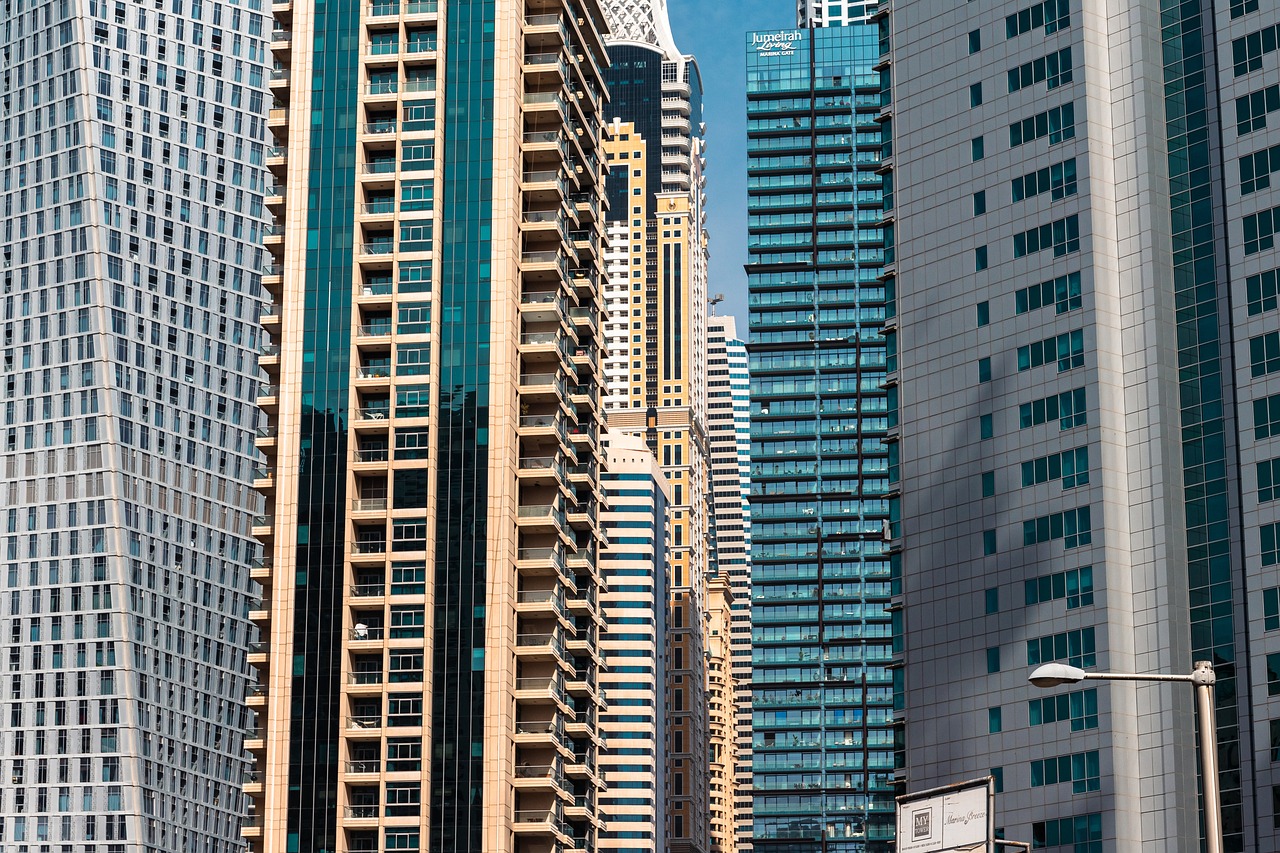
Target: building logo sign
776,44
922,825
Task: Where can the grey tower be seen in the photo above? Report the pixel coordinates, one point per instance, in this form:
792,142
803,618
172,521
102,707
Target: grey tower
132,185
1086,350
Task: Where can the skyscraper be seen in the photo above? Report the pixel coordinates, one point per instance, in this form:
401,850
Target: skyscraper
1085,321
656,340
634,606
432,646
729,431
132,184
821,687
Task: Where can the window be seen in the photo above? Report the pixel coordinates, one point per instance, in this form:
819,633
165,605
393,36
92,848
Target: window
993,659
1053,15
986,427
1273,675
1059,180
1081,770
1066,349
975,41
1241,7
1266,417
1080,834
1262,289
1271,608
1275,740
1268,534
1074,585
1070,466
988,483
977,148
980,258
995,723
1068,408
984,313
979,202
988,542
1256,169
1268,480
1058,124
1080,708
1260,230
1062,292
1054,69
984,370
1252,109
1264,354
997,779
1073,527
1062,235
1075,647
991,599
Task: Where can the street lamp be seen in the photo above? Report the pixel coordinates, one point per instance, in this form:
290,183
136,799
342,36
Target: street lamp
1055,674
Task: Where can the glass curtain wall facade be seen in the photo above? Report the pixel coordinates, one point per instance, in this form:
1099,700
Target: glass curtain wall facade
822,697
1084,322
132,185
430,626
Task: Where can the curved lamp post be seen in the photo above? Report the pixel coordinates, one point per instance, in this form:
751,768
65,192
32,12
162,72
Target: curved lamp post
1055,674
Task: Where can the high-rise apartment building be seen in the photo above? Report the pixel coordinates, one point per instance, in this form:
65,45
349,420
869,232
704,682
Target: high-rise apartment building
656,367
1085,334
132,185
634,606
722,718
432,640
822,694
729,431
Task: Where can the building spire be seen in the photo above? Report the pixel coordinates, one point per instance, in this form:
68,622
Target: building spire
643,22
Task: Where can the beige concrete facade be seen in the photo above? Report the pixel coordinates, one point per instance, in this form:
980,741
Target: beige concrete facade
539,776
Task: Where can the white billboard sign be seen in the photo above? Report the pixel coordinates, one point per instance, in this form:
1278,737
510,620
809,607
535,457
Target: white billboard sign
947,822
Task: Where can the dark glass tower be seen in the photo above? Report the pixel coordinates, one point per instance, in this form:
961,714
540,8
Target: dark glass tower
821,688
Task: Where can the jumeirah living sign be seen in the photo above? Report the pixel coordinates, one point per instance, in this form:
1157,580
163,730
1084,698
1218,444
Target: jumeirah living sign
776,44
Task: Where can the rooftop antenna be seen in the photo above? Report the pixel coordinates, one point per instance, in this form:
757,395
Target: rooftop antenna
715,300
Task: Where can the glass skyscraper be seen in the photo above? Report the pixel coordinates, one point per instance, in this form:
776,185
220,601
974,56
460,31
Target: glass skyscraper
822,696
133,191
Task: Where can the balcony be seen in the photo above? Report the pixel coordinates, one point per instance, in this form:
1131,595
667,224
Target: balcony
538,822
544,560
264,478
368,504
539,690
540,646
540,602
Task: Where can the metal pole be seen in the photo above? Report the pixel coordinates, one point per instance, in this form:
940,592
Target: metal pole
1204,678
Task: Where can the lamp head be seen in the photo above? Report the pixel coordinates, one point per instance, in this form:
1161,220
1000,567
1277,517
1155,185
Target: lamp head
1055,674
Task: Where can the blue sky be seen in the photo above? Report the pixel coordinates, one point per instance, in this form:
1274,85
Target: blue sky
714,33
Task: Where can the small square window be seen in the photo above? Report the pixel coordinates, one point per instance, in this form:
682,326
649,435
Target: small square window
984,313
975,41
979,202
978,148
